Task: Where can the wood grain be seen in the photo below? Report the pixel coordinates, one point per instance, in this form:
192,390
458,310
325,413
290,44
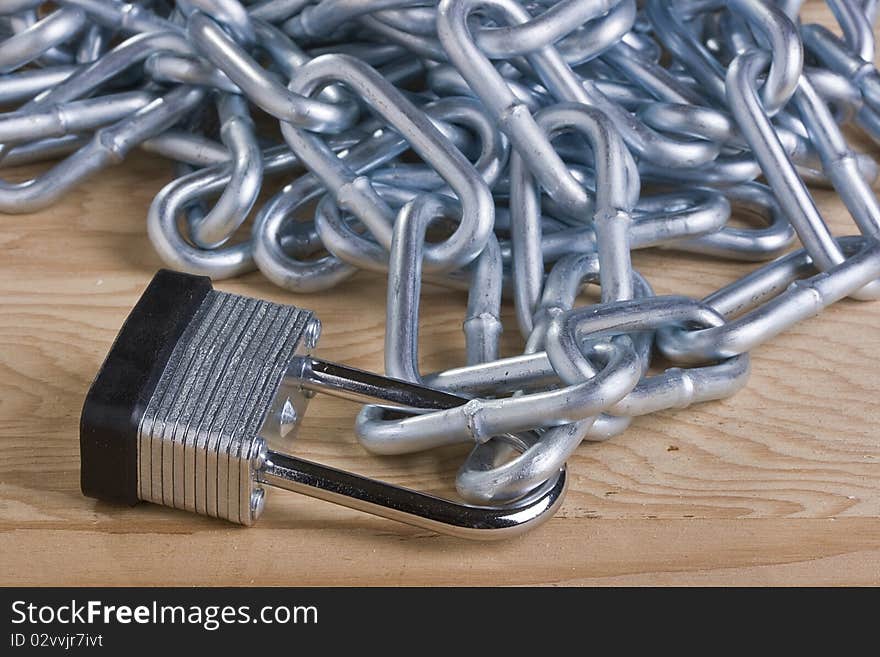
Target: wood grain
778,485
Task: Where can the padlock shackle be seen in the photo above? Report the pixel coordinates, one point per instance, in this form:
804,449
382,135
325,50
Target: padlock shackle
412,507
364,387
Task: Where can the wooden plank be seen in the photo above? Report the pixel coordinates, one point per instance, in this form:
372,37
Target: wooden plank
310,550
780,484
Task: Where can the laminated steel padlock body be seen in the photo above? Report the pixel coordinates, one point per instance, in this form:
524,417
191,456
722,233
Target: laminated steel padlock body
192,383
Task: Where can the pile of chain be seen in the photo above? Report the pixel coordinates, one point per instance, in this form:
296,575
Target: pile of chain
540,142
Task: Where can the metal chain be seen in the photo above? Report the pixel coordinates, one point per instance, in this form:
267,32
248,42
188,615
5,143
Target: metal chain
539,141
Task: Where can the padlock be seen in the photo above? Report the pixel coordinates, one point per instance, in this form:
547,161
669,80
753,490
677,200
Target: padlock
198,381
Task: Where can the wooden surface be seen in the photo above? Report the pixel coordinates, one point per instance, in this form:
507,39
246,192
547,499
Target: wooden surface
778,485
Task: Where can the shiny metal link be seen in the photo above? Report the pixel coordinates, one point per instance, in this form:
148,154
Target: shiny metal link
793,195
28,44
271,96
513,152
802,299
355,194
245,176
108,146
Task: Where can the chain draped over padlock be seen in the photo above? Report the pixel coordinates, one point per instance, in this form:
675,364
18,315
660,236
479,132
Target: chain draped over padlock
510,149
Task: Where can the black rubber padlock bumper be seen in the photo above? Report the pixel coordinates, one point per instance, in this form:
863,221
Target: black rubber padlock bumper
118,397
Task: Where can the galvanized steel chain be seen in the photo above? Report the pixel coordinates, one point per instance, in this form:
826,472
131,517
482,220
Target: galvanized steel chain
540,142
